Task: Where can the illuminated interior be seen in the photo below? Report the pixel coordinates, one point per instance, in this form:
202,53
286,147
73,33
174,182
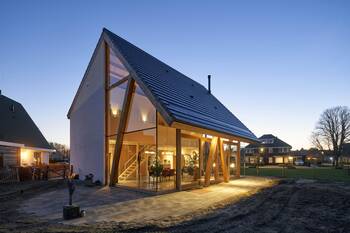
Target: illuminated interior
147,159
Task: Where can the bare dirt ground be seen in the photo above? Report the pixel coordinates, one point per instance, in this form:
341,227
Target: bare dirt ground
288,207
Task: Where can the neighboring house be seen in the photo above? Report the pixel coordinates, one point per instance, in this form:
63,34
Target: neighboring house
21,142
135,121
345,157
270,150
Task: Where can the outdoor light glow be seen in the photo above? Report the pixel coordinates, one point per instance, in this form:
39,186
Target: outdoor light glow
214,165
331,158
232,165
261,149
150,152
114,111
167,153
144,117
24,156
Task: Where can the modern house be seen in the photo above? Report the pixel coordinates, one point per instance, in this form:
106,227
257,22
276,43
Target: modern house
21,142
269,150
135,121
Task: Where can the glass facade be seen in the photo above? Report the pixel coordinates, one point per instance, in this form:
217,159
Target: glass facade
190,159
148,149
142,114
166,143
116,99
137,157
117,70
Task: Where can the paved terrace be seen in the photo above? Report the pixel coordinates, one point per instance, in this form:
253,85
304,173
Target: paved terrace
125,206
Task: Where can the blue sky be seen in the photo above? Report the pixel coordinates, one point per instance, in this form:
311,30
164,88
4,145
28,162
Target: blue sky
275,64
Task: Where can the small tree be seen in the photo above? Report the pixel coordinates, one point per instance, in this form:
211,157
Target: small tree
332,131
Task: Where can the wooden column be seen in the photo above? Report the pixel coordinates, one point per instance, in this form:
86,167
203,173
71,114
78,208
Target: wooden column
201,158
178,159
216,161
107,155
238,160
223,162
212,152
120,131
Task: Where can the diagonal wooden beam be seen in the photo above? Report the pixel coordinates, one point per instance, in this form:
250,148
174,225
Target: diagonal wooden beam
223,161
120,131
212,152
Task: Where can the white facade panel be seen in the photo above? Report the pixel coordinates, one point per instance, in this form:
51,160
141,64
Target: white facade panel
87,121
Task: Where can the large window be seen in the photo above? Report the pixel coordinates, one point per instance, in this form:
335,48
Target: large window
142,114
190,159
137,157
116,99
166,154
117,70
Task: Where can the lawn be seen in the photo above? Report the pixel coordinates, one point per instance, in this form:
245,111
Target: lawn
319,173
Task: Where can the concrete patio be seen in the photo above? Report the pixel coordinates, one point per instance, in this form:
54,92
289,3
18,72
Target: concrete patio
125,206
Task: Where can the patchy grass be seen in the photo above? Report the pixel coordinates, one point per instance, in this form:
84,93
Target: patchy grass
320,173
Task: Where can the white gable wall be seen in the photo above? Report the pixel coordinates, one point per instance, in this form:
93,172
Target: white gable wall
87,121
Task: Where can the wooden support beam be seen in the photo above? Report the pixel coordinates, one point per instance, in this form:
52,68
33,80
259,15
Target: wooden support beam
201,158
107,156
212,152
223,162
216,161
178,159
238,160
120,131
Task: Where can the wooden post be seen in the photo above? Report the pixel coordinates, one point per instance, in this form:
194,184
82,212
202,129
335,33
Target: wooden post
120,132
178,159
216,161
212,151
238,160
223,162
106,150
201,158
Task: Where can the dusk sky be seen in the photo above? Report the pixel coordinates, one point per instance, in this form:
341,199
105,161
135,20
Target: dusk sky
275,64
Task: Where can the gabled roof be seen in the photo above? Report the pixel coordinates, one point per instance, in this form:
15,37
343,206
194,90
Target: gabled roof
176,96
276,142
16,125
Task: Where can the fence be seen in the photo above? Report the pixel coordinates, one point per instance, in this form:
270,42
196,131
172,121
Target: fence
9,175
41,172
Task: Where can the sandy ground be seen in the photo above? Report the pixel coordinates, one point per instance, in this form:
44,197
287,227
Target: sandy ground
288,207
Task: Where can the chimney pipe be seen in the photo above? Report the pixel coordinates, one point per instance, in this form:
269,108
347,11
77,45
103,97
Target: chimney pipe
209,88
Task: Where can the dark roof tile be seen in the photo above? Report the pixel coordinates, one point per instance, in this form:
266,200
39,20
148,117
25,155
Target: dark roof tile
185,100
16,125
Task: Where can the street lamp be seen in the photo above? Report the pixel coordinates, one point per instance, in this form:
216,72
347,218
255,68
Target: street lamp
261,150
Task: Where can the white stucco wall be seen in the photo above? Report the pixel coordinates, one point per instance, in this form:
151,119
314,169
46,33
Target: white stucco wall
87,122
